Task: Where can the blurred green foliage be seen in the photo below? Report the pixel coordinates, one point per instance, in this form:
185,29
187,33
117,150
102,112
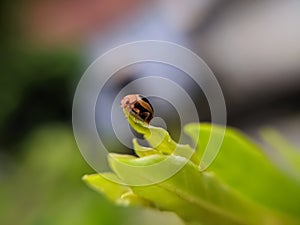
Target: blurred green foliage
40,165
36,86
43,185
36,83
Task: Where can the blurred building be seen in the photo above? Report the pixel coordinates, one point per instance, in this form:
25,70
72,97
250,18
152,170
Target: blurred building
252,46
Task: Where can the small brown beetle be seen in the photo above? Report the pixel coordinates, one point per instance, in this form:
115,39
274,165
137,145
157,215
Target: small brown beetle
138,106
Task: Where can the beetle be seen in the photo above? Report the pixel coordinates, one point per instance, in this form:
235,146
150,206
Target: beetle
139,106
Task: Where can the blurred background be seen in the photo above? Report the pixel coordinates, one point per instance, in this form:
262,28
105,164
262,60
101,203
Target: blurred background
253,48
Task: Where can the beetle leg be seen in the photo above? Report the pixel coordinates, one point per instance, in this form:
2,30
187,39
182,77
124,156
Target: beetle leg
146,116
136,111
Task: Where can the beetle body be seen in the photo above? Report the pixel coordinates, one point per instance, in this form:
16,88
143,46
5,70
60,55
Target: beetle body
138,106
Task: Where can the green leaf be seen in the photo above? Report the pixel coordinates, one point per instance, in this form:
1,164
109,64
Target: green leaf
160,141
287,155
142,151
228,182
102,184
195,196
116,192
242,165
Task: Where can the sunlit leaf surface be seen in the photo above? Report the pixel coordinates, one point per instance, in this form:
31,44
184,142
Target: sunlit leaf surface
241,186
